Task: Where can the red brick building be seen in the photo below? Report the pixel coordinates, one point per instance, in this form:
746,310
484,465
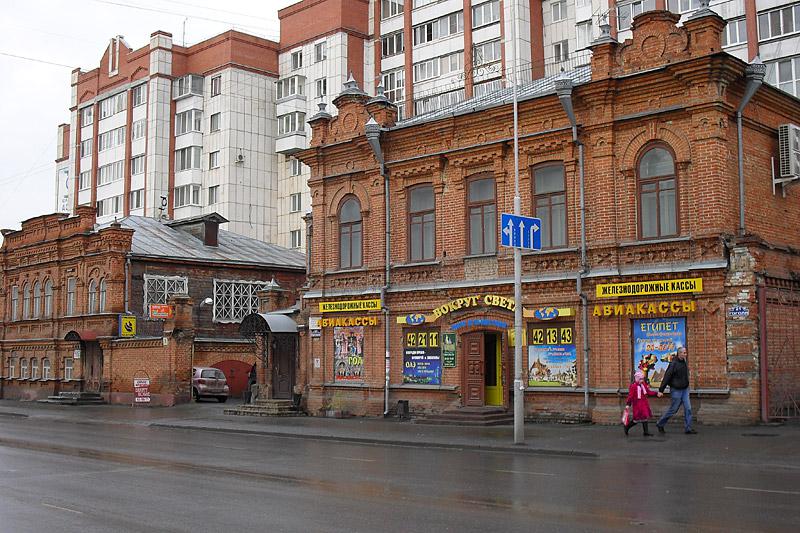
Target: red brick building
70,287
648,244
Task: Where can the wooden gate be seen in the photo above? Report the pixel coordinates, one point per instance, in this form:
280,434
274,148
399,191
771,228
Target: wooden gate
779,302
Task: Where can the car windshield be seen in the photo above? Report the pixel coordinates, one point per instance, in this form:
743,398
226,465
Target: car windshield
208,374
220,375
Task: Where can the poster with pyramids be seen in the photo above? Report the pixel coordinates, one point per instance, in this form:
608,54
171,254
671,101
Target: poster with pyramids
655,341
552,365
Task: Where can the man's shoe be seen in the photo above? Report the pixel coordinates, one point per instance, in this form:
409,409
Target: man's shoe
648,434
690,432
660,429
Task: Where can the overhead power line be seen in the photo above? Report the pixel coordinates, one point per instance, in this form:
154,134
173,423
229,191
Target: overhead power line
36,60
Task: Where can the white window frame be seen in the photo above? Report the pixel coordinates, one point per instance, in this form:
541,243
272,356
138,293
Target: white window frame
216,85
775,78
583,35
391,8
187,85
186,195
139,95
213,194
46,371
14,302
12,367
188,121
440,28
111,139
69,364
37,299
235,299
485,14
101,292
26,301
138,129
735,32
109,206
92,297
296,238
321,87
137,164
70,298
296,60
85,180
86,148
296,201
627,11
426,70
213,159
157,289
87,115
187,158
294,122
112,105
320,51
487,53
214,122
135,199
48,298
766,20
561,51
291,86
558,10
392,44
111,172
295,166
34,368
23,368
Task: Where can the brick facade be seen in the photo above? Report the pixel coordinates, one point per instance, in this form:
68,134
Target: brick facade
668,87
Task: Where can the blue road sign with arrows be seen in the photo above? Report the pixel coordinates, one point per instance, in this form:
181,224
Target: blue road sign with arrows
520,232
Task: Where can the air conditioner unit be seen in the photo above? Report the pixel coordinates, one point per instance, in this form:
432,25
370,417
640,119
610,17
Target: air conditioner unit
789,150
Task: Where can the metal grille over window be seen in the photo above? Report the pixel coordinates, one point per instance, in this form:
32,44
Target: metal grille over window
158,288
233,300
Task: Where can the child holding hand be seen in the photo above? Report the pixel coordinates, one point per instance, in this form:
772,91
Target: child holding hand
638,391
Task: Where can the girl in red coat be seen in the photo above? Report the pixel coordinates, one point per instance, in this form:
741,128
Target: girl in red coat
638,391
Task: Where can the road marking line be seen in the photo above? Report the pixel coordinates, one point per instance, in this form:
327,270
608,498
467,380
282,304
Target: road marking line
62,508
522,472
355,459
792,492
227,447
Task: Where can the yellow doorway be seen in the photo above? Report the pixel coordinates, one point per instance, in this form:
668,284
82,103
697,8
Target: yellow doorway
493,369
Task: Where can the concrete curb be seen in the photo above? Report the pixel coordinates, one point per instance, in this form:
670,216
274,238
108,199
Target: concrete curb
13,415
384,442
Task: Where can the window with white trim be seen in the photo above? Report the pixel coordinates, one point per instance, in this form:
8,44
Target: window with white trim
92,293
296,201
438,101
191,120
778,22
14,302
84,180
157,289
291,86
136,198
322,87
213,159
34,368
320,52
187,158
139,95
102,295
70,296
137,164
235,299
87,115
295,166
425,70
735,32
187,195
68,365
216,85
189,84
113,105
213,194
682,6
297,60
294,122
392,44
48,298
111,139
439,28
390,8
558,10
485,53
109,206
785,75
583,34
86,148
110,172
12,367
138,129
394,83
296,238
215,119
561,51
23,368
37,299
486,13
26,301
626,12
46,374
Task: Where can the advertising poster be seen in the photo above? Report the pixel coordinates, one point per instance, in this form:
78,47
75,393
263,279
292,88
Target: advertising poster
655,342
348,353
552,358
422,366
449,350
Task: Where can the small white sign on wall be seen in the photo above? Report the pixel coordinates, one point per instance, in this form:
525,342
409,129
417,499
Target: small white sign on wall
76,353
317,362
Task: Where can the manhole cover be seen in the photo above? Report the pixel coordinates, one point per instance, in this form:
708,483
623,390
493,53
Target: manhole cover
760,435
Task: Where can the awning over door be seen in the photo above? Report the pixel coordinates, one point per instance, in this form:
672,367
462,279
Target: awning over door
262,323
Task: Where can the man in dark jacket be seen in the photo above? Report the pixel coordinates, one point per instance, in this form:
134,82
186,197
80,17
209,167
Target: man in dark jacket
677,377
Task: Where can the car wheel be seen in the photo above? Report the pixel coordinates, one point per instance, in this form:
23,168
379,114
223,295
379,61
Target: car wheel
222,399
195,395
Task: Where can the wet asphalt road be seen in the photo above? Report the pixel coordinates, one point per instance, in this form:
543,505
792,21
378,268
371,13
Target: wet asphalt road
67,476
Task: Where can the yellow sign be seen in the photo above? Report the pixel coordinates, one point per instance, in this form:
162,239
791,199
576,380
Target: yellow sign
127,326
644,288
512,336
349,305
474,301
548,313
645,308
348,321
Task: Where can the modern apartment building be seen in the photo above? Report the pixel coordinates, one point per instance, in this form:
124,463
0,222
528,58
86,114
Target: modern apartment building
180,131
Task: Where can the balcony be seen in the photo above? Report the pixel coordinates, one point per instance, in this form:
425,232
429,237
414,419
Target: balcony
291,142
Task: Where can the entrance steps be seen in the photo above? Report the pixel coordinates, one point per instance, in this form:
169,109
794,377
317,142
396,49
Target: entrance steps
470,416
75,398
265,407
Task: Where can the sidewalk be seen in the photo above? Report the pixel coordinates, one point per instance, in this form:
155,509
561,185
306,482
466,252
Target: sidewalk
768,446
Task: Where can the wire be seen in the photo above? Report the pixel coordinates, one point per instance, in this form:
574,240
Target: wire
36,60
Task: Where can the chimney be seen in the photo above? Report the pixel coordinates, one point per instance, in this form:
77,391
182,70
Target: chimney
203,227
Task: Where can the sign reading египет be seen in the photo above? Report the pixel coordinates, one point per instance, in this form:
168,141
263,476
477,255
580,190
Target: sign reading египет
349,305
645,288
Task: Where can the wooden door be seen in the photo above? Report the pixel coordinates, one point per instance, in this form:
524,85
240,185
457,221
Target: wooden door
283,357
93,367
473,369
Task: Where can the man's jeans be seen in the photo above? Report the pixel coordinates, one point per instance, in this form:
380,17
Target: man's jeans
679,396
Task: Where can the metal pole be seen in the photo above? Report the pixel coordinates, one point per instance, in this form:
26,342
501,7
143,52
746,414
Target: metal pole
519,387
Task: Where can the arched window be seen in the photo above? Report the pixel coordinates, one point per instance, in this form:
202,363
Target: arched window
350,234
92,308
34,368
14,302
23,368
48,298
37,299
550,204
421,224
70,299
26,301
103,295
658,207
482,216
46,368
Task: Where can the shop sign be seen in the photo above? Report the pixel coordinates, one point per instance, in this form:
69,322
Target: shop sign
479,322
655,343
349,305
314,327
141,390
645,308
422,364
645,288
546,313
512,337
449,350
348,354
414,319
552,357
738,311
161,311
348,321
127,326
489,300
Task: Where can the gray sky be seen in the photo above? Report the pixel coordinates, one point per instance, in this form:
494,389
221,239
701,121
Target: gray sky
35,95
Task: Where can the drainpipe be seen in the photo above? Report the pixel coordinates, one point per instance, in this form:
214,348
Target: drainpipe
563,86
372,131
754,73
127,283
